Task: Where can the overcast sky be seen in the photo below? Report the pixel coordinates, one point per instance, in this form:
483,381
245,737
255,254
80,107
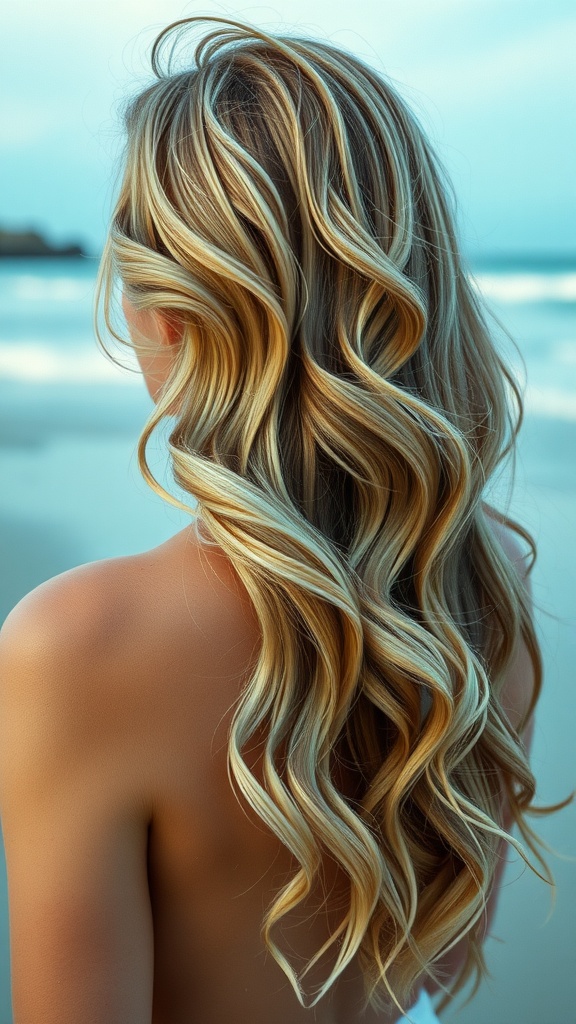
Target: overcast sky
492,81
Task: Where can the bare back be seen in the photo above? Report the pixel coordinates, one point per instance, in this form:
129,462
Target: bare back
213,866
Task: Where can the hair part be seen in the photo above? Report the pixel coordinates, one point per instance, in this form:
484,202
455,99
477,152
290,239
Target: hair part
340,408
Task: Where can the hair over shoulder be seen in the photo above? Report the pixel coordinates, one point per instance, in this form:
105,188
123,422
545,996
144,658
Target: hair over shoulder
340,407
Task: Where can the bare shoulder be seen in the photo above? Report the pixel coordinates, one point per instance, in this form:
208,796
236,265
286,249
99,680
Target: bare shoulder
91,605
94,631
72,614
63,629
56,648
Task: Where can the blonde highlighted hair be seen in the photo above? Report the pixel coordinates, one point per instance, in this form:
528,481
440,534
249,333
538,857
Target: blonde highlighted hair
340,407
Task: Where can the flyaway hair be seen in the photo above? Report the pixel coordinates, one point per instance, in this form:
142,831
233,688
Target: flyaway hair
340,408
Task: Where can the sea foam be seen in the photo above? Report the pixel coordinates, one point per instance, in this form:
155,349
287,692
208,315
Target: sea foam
522,288
38,362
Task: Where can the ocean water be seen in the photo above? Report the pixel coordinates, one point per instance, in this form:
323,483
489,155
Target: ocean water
46,334
71,492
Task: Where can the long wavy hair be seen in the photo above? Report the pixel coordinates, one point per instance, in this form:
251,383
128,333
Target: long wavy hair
339,409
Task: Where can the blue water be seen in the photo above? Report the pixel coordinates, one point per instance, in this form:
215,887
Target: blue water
46,335
71,492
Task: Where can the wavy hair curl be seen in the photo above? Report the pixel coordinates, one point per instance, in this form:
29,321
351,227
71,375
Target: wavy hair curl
340,407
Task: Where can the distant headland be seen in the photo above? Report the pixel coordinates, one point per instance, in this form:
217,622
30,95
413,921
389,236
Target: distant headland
32,243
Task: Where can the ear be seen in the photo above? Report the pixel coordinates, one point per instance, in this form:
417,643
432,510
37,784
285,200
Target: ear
170,327
164,327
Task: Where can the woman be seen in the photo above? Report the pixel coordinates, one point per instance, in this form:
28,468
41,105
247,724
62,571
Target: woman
273,763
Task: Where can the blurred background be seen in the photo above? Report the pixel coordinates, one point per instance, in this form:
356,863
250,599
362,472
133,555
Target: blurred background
492,83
